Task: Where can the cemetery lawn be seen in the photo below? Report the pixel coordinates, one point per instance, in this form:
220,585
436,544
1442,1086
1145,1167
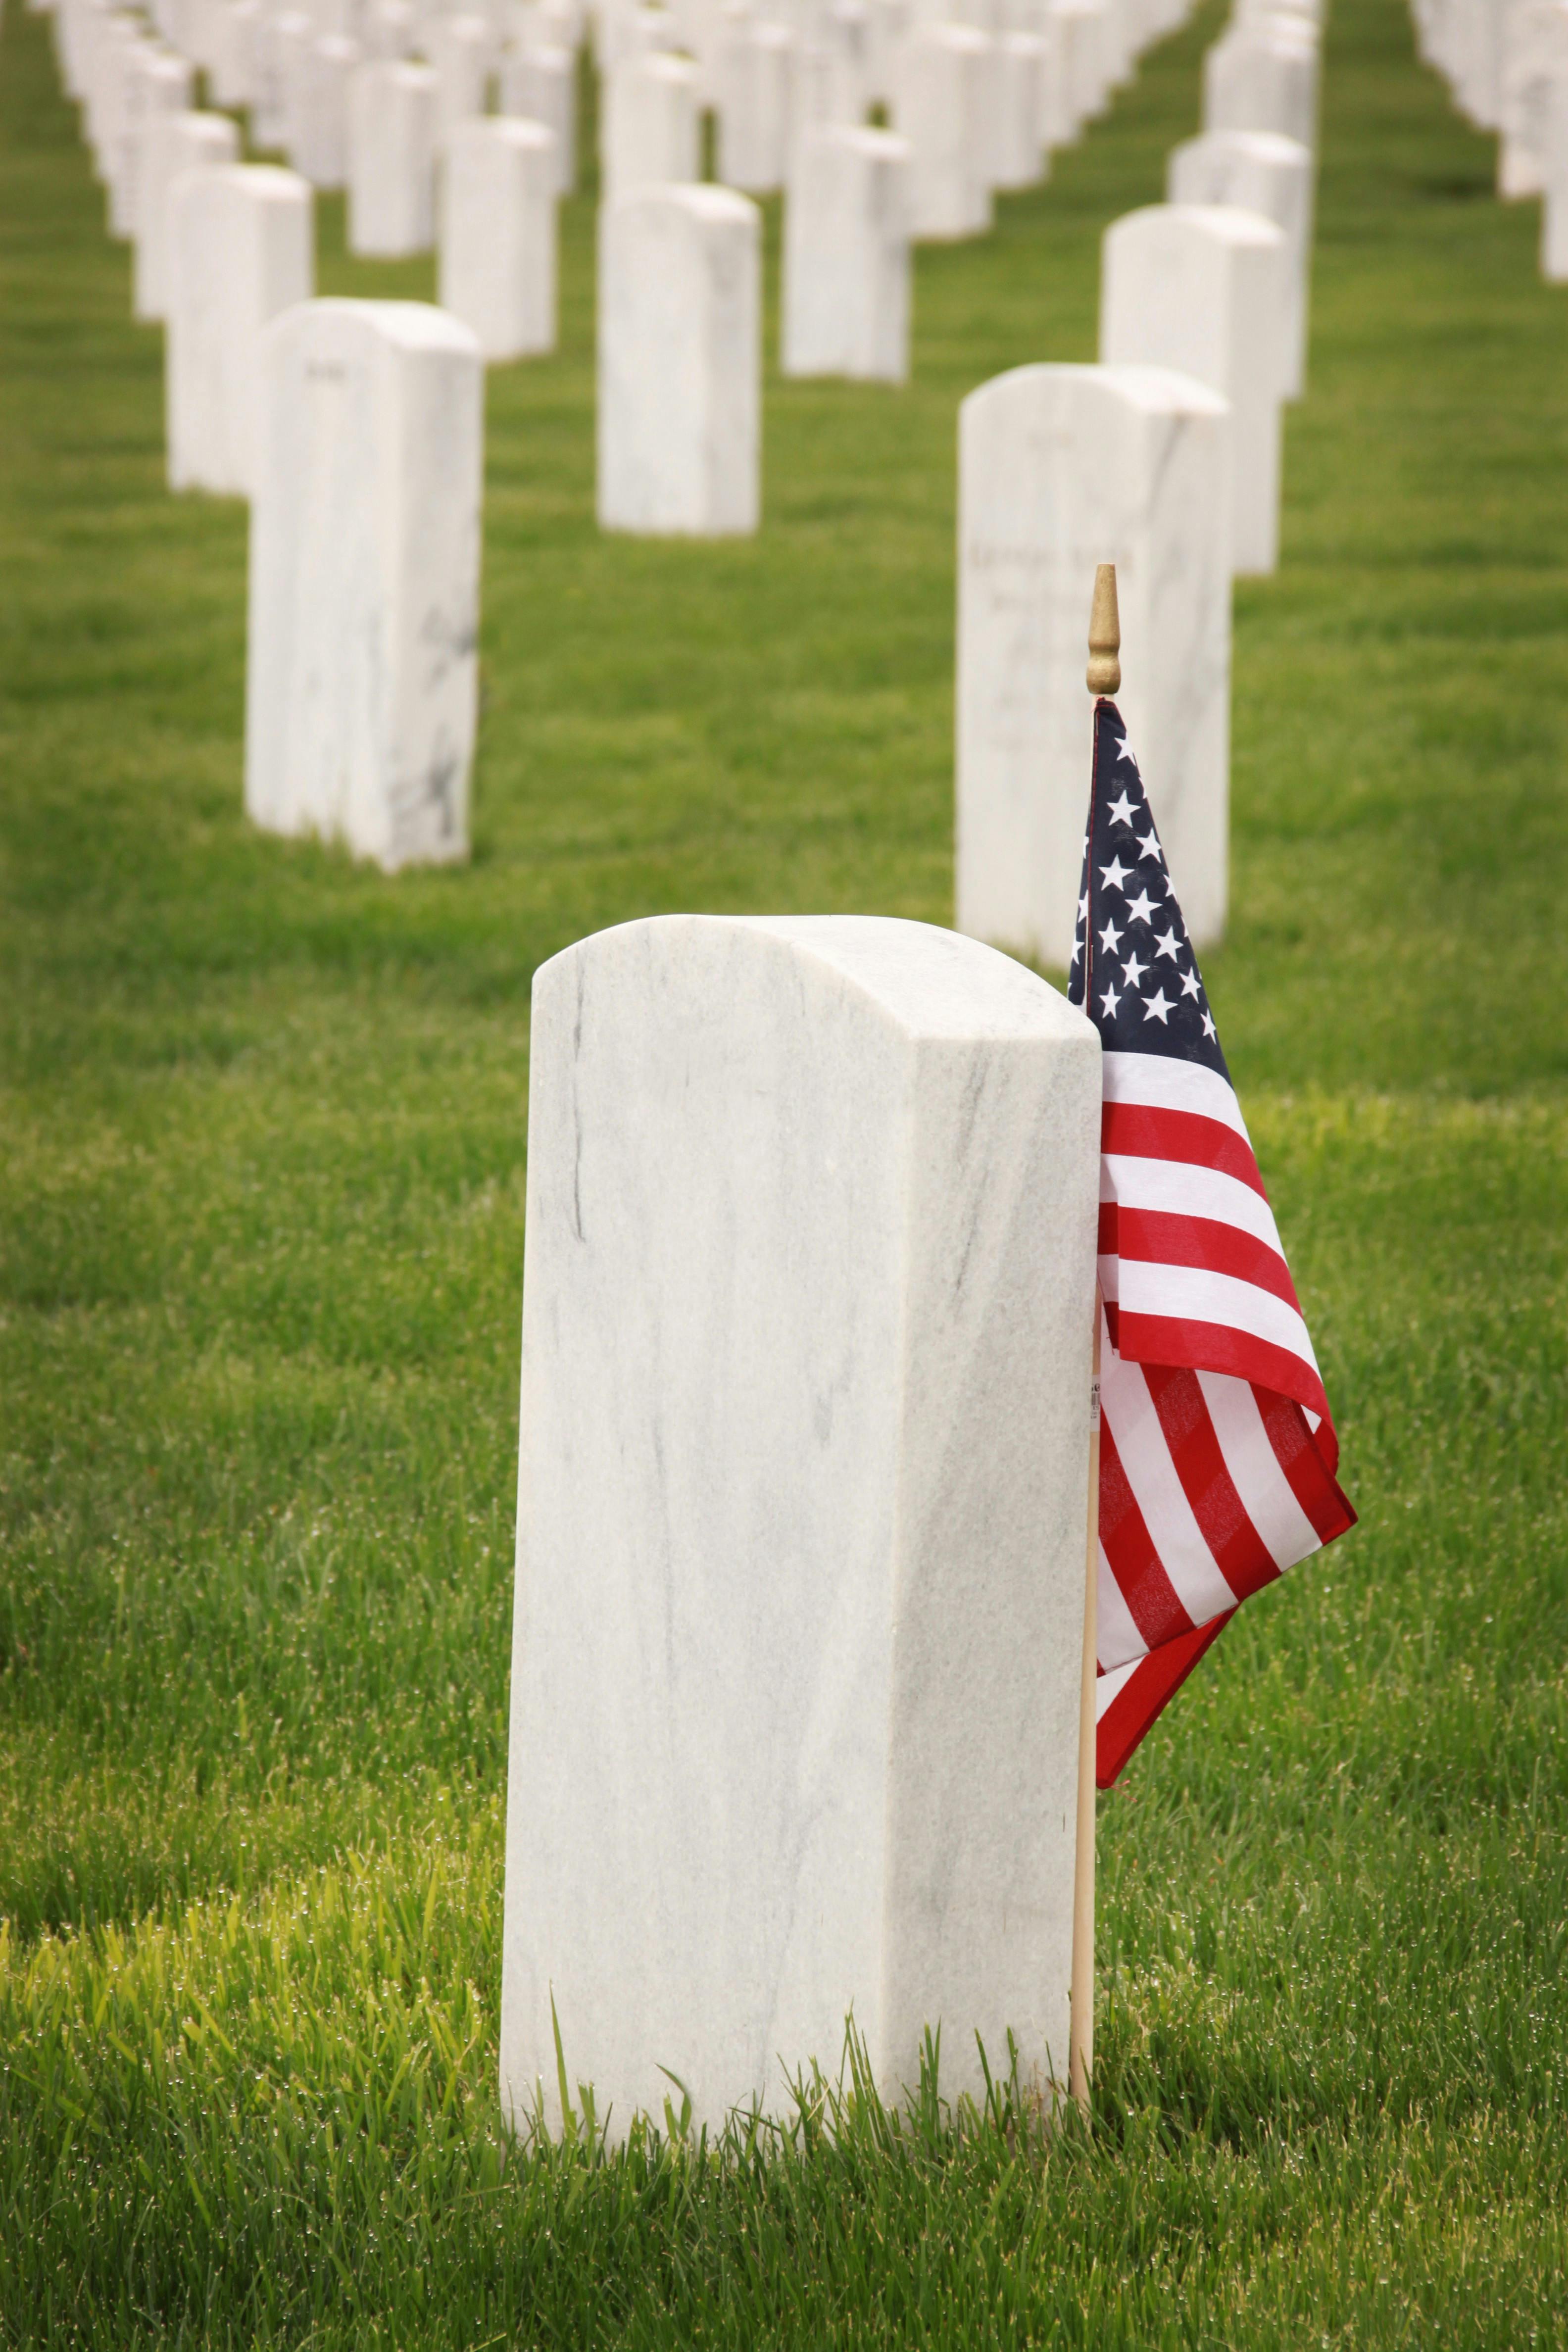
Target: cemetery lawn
262,1138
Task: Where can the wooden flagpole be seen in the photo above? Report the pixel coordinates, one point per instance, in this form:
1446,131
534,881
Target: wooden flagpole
1102,677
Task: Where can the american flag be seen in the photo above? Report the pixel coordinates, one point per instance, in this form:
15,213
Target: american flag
1217,1454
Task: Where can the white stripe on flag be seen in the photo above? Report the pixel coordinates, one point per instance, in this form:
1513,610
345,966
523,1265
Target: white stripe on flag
1266,1493
1179,1189
1190,1294
1157,1489
1110,1685
1167,1084
1116,1637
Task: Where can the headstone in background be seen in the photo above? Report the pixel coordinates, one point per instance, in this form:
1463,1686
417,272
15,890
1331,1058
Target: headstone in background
320,144
156,83
392,160
1205,288
1263,78
941,105
754,97
1554,194
496,243
241,248
388,29
171,144
1019,156
649,127
809,1282
846,308
539,85
1061,468
1080,30
459,47
236,37
680,362
362,666
1261,173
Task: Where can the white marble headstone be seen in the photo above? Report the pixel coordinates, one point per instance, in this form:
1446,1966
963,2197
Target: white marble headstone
1018,158
650,124
1263,174
680,362
321,110
539,85
752,72
1061,468
807,1294
497,243
171,144
846,257
1205,288
1259,78
392,160
241,249
459,47
942,106
362,672
155,84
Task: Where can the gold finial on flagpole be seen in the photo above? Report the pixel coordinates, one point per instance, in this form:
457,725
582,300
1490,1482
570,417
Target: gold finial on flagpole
1103,674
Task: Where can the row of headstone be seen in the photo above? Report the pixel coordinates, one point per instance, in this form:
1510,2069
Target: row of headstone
1165,459
1506,63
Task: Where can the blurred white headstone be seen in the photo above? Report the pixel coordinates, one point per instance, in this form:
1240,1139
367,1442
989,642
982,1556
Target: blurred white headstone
846,257
680,362
171,144
392,160
1263,174
497,242
941,105
539,85
241,249
754,98
1263,79
1061,468
1206,288
649,126
808,1297
362,668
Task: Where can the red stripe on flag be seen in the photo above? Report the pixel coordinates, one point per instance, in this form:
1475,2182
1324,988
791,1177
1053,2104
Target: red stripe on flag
1244,1559
1151,1687
1138,1131
1218,1347
1159,1237
1135,1563
1298,1452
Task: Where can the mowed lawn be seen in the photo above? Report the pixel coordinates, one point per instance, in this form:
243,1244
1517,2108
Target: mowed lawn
262,1137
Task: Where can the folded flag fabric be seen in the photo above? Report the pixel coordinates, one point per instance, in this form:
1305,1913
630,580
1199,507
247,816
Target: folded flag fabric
1217,1454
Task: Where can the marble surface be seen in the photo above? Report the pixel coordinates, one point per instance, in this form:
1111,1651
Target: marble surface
321,110
498,235
1061,468
752,69
1205,288
1018,153
1554,191
1261,173
460,48
846,296
237,27
1263,78
156,85
649,133
362,668
392,160
941,105
171,144
539,85
807,1292
241,246
680,362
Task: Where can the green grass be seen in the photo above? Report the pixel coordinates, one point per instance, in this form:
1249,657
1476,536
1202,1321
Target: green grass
261,1152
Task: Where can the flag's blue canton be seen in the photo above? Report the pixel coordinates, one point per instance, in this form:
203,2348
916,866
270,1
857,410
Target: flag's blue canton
1133,969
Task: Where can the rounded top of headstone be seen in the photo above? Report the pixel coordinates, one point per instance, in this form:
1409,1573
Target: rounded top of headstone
1218,223
929,983
1258,146
1155,391
410,326
697,200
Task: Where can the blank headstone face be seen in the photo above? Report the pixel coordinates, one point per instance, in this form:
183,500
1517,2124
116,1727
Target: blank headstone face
650,126
362,672
171,144
808,1289
322,110
1261,173
392,160
1554,205
1081,29
1257,79
1205,288
387,29
237,27
846,257
156,85
754,74
241,249
460,50
941,106
498,235
539,85
1061,468
1019,156
680,362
